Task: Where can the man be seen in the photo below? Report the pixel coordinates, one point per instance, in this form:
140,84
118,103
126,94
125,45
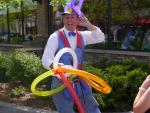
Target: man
68,36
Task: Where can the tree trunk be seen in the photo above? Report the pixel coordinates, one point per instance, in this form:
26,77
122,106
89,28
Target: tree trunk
42,18
42,24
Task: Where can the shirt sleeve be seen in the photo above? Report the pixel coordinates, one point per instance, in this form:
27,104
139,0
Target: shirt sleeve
93,37
49,51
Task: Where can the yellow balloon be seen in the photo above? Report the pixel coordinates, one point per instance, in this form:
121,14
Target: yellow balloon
45,93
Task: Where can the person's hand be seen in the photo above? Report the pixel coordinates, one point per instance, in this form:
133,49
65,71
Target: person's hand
66,74
83,21
60,64
146,83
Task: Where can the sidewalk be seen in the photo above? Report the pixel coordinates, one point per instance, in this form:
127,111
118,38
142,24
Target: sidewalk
13,108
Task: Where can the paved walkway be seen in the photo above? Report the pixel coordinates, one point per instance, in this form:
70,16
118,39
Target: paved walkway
13,108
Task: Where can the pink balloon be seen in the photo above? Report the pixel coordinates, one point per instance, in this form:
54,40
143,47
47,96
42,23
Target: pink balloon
72,92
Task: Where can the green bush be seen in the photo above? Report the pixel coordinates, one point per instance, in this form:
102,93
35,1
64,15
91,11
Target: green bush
133,63
20,66
5,62
25,66
102,64
17,91
116,70
91,69
135,78
124,77
117,96
130,63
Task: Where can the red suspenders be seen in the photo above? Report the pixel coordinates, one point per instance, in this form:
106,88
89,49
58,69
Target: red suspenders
79,40
65,41
63,38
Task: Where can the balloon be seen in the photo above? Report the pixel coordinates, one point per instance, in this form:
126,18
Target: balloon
80,3
58,56
73,2
91,79
94,81
51,72
60,53
76,8
72,91
46,93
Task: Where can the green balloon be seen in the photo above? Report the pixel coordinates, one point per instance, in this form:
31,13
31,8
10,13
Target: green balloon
46,93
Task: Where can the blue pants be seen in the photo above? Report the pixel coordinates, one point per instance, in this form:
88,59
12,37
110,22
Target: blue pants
65,105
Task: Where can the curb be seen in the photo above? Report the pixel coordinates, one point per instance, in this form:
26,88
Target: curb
21,109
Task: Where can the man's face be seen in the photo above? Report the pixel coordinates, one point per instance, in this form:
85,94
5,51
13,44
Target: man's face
70,21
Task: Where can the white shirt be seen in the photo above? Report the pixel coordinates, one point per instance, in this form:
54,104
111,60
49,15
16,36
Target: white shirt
89,37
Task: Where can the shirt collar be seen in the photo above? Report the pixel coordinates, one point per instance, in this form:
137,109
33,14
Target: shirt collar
67,31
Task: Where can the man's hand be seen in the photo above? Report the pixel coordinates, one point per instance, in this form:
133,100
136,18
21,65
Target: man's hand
66,74
59,65
83,21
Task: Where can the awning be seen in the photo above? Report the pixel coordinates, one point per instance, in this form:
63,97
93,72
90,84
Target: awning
143,21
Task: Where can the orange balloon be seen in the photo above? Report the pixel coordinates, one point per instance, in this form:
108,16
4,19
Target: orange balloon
94,81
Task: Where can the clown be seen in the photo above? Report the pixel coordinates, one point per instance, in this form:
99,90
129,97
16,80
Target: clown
70,37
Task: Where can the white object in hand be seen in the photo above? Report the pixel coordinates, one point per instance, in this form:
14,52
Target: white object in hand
58,56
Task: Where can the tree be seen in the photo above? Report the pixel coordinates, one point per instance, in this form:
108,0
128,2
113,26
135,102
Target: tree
5,4
15,8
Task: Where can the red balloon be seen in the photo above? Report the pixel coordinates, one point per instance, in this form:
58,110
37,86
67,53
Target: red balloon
72,92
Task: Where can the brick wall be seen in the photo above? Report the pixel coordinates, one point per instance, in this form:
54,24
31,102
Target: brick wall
93,55
9,47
